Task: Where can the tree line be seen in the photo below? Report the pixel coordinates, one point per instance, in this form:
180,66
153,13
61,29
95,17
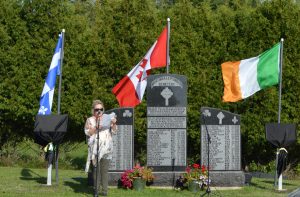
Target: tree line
105,39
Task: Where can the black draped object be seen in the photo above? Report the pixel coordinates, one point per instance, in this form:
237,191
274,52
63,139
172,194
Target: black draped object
281,135
50,128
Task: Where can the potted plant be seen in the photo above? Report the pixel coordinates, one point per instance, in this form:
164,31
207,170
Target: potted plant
195,177
137,177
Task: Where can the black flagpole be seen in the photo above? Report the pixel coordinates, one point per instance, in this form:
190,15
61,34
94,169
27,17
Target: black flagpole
58,101
97,157
207,191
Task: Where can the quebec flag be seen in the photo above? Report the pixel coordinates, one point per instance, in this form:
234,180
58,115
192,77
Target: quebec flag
48,91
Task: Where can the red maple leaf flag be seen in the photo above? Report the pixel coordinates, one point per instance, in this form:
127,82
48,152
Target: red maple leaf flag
130,90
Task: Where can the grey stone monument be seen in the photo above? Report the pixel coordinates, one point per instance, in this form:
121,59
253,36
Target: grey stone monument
223,128
123,144
166,126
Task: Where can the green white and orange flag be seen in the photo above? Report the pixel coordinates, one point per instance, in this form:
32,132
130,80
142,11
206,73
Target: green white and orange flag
244,78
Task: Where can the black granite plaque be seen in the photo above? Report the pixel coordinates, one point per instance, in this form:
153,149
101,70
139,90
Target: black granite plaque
122,158
166,122
225,147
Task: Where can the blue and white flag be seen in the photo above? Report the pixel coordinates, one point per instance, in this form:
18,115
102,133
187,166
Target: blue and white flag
48,91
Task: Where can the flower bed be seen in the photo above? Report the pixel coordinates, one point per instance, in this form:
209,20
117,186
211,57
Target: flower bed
143,173
195,176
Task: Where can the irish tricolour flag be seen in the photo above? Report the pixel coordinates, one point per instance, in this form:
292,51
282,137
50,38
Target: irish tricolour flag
244,78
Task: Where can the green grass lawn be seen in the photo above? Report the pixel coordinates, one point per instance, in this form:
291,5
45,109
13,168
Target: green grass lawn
31,182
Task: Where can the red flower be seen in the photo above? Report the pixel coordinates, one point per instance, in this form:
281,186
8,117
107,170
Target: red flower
127,182
188,169
195,165
128,176
195,172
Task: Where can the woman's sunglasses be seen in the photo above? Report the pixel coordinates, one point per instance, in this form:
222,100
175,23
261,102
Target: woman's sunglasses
98,109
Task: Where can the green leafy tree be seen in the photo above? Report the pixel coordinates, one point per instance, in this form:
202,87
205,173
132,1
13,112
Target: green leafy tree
105,39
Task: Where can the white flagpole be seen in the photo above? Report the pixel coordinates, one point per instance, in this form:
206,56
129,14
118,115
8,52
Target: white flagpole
60,76
49,171
279,107
168,43
280,78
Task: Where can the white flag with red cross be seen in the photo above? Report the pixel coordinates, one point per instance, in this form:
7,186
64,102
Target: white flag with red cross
130,90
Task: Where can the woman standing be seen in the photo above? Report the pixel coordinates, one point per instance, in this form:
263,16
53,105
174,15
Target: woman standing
100,148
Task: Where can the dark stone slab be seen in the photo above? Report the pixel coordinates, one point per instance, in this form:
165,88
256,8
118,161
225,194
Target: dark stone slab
114,178
123,141
163,179
214,116
265,175
166,122
227,178
168,179
161,85
223,128
248,178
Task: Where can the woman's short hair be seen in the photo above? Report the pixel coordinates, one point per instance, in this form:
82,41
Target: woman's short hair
96,102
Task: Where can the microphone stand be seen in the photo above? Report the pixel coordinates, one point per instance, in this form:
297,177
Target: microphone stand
207,191
97,157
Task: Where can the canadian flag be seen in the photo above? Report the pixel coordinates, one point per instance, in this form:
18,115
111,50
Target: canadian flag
130,90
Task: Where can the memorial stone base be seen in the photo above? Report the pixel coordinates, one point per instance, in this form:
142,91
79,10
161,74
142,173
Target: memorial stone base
227,178
168,179
162,179
114,178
